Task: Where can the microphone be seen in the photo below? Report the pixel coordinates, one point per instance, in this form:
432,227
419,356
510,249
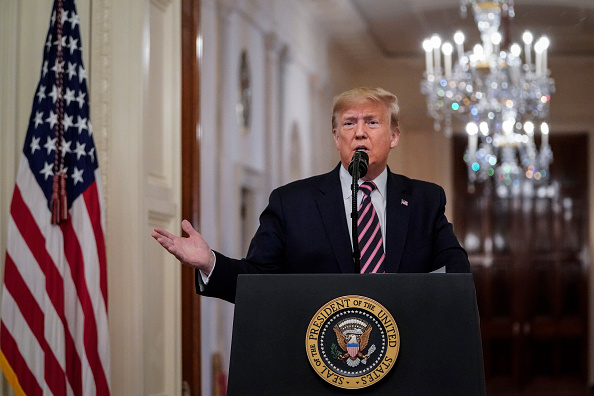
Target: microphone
357,168
360,162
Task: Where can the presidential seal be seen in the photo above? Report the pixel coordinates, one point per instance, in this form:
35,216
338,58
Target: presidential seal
352,342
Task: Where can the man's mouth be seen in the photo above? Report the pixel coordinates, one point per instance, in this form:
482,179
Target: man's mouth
361,148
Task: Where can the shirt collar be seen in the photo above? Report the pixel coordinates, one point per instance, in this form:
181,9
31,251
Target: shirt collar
346,179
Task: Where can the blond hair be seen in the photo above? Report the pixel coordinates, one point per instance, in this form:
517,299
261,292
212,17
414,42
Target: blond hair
363,94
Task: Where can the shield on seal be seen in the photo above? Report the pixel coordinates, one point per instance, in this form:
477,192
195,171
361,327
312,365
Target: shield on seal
353,346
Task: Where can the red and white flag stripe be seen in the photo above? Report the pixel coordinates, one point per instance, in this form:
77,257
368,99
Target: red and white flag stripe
54,332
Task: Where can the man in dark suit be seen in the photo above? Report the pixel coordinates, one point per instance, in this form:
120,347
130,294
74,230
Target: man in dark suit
306,226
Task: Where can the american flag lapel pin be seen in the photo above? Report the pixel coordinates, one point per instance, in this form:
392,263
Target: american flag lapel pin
404,202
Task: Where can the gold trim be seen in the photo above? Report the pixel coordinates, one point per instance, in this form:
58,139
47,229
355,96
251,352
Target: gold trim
346,303
488,4
11,376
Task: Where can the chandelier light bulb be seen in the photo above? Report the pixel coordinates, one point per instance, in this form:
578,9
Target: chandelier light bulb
508,126
484,127
527,37
544,130
447,59
516,50
435,41
459,40
471,128
427,46
478,50
496,38
529,128
544,42
540,49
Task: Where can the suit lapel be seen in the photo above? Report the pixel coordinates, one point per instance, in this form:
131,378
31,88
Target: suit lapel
397,218
329,200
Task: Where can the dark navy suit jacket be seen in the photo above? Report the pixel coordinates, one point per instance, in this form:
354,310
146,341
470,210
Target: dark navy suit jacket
304,230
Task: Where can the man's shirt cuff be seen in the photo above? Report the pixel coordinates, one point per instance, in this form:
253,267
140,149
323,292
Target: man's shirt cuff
203,279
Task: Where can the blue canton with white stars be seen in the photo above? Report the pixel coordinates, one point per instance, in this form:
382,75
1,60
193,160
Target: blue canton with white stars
78,148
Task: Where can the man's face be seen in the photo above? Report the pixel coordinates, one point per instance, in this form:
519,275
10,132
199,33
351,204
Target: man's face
365,126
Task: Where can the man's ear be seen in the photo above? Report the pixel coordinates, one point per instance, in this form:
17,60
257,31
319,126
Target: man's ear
335,136
395,138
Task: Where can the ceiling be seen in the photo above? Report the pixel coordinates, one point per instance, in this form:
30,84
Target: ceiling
396,28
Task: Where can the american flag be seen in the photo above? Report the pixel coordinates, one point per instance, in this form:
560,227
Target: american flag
53,327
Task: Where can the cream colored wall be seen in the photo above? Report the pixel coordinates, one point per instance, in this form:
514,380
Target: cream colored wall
135,78
287,58
133,64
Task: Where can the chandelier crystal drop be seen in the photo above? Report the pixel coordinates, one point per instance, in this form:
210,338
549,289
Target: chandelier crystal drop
501,94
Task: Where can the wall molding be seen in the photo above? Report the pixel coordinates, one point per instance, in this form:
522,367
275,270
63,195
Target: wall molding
162,4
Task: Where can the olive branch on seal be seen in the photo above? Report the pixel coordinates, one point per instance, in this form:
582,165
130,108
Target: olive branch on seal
335,351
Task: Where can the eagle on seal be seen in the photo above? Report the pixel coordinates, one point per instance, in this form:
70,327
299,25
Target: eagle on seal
352,344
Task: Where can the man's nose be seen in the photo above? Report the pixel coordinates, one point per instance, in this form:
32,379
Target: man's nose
361,129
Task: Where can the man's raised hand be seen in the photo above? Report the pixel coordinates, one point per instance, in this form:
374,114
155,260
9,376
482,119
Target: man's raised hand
192,250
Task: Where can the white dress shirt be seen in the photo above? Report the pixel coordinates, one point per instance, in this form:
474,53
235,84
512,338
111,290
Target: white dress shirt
378,198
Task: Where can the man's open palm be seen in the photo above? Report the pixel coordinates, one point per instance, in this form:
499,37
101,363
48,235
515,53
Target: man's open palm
191,250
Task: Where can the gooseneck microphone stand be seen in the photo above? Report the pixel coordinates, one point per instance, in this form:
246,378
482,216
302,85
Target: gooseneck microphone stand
355,217
357,169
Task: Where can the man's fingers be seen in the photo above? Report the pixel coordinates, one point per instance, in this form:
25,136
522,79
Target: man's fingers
187,227
163,241
161,232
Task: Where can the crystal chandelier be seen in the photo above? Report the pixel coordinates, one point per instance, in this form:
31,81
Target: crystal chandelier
500,93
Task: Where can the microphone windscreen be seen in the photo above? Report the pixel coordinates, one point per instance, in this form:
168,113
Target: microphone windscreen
362,159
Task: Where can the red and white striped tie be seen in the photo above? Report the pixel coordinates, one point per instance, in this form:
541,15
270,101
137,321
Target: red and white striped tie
370,233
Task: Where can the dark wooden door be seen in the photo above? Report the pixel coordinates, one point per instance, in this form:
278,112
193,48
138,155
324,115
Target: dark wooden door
190,208
528,256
